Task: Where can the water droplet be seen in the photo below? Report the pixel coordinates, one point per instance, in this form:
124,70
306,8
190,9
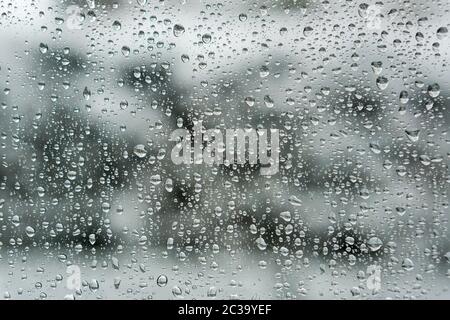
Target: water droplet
382,83
124,105
413,135
29,231
178,30
155,179
268,101
126,51
15,220
250,101
94,285
377,67
404,97
169,185
264,72
162,280
442,33
286,216
307,31
43,48
177,292
261,244
117,25
242,17
115,263
434,90
407,264
140,151
92,239
293,200
106,206
375,148
374,244
401,171
212,292
185,58
206,38
117,282
447,257
419,37
363,10
86,93
400,211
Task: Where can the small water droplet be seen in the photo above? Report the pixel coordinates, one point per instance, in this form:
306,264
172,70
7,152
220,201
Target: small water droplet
162,280
413,135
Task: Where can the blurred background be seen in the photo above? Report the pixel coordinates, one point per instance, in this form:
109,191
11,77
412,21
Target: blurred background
91,90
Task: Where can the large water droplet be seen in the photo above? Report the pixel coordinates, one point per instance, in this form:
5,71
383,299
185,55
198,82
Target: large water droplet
413,135
434,90
29,231
293,200
140,151
286,216
307,31
407,264
261,244
206,38
178,30
382,83
374,244
442,32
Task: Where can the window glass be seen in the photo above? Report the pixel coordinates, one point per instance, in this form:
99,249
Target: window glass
175,149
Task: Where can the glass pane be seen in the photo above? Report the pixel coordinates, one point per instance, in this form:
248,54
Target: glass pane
284,149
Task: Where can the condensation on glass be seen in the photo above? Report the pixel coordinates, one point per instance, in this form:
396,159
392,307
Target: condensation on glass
288,149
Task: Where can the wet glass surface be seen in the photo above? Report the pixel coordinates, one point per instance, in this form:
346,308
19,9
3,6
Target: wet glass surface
118,123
